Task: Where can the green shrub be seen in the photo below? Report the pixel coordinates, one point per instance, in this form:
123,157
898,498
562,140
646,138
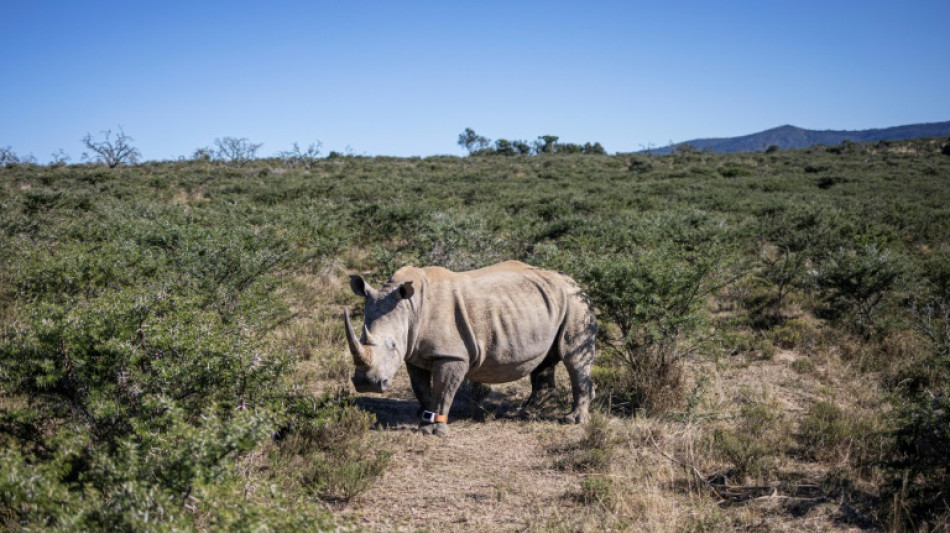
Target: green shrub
328,450
595,451
754,446
919,465
778,274
141,356
749,456
734,172
459,241
600,490
854,285
655,298
918,460
795,334
828,433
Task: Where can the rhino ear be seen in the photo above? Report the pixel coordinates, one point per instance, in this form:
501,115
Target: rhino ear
405,291
359,285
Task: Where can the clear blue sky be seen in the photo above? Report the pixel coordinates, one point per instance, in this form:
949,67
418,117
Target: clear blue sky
405,78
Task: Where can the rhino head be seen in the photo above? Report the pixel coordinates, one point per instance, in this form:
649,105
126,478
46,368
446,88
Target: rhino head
379,351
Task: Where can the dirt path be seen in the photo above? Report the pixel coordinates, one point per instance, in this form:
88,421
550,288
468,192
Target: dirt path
490,475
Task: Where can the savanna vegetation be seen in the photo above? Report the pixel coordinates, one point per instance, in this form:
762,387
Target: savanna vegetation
775,327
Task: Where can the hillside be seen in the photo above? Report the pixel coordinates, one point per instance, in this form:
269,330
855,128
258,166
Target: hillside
790,137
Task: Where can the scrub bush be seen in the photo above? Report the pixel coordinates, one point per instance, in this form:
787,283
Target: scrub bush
854,285
138,366
654,296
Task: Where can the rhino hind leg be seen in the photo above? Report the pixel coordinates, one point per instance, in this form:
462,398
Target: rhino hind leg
577,350
543,383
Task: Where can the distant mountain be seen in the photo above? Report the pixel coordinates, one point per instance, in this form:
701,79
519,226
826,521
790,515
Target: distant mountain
792,137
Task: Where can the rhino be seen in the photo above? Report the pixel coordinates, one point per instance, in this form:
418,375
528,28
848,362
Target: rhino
492,325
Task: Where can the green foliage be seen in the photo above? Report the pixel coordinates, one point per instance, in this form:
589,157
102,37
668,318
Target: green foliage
655,298
505,147
138,345
594,149
545,144
753,448
828,433
919,464
734,172
855,283
777,275
459,241
600,490
795,334
328,450
595,451
472,142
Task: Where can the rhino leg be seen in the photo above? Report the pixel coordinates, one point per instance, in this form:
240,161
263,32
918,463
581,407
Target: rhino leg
577,349
447,376
421,380
543,384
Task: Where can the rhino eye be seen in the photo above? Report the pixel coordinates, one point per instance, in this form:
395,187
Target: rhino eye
391,344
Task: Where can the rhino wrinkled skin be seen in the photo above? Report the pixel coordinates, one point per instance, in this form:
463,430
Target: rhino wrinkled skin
492,325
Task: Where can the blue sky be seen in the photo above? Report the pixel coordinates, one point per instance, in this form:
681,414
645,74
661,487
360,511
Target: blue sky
405,78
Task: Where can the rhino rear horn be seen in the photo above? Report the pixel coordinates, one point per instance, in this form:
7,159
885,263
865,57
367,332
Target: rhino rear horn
360,357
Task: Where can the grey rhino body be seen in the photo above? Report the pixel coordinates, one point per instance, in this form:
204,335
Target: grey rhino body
492,325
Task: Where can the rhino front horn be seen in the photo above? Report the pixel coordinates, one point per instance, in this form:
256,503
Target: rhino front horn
359,352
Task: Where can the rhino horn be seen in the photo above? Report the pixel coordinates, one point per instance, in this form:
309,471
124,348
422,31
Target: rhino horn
367,337
360,357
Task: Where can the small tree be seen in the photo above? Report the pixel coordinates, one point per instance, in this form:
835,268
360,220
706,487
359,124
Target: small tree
8,156
568,148
236,152
205,153
111,151
545,144
595,149
854,285
654,298
473,142
305,158
522,147
60,158
504,147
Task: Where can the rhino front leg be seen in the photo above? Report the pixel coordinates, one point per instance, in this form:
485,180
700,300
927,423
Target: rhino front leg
421,380
447,376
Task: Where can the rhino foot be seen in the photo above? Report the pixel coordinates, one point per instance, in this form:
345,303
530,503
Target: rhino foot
440,429
575,418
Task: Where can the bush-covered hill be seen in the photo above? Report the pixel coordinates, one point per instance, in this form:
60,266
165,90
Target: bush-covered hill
170,347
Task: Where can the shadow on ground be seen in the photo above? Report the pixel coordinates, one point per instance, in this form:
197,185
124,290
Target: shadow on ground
473,402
